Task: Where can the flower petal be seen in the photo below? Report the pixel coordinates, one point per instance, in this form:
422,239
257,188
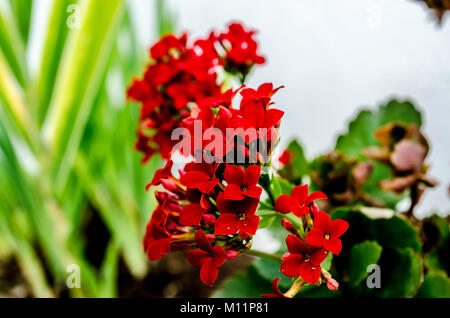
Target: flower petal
233,192
234,175
252,175
197,257
194,179
285,204
291,265
310,273
272,117
300,211
318,256
300,193
315,196
249,225
254,192
202,241
295,245
191,215
338,227
322,221
208,186
226,224
209,272
315,238
333,245
220,256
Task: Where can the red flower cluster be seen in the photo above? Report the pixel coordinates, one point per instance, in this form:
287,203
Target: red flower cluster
310,246
208,208
183,74
195,204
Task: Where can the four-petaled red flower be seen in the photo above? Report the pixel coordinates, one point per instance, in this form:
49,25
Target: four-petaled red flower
299,202
326,233
237,216
200,176
241,184
303,261
207,258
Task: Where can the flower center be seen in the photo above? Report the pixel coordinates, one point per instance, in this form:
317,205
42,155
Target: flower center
242,216
307,258
244,188
327,236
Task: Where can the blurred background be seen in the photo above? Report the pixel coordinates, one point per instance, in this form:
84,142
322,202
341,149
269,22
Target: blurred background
72,189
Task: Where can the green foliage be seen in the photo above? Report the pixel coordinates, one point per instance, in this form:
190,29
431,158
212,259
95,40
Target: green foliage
298,167
361,256
401,273
435,285
396,233
59,142
361,130
248,284
360,135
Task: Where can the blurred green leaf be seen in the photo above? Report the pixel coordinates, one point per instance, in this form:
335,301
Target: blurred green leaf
11,43
78,80
52,52
22,11
361,256
248,284
435,285
269,270
361,130
396,233
401,273
298,167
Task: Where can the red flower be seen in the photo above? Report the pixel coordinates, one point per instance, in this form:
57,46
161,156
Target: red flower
200,176
276,291
161,174
207,258
237,216
242,183
326,233
162,48
192,214
241,47
303,260
299,202
285,158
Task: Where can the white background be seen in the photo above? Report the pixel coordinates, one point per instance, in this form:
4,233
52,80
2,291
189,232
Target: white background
334,57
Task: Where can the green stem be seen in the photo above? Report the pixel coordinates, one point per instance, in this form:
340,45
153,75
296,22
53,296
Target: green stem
296,287
264,182
264,255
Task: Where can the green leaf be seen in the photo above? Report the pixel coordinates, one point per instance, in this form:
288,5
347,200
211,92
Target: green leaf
83,68
298,166
22,12
51,56
435,285
401,273
361,130
166,20
396,233
360,135
361,256
248,284
269,270
267,217
11,44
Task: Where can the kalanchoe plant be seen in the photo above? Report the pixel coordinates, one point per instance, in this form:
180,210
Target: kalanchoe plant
212,207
